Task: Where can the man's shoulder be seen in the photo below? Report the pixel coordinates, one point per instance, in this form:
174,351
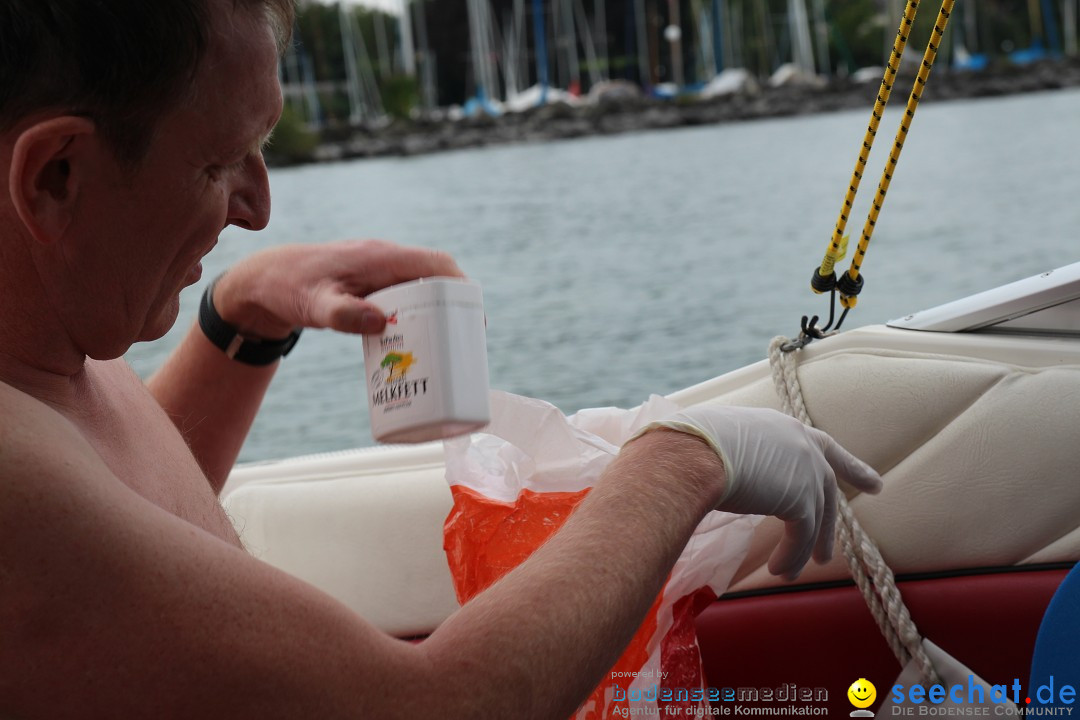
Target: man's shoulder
38,444
29,424
39,436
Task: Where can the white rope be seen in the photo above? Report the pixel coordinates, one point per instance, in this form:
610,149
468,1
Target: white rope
871,573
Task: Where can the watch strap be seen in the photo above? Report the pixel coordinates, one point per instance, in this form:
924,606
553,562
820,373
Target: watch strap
250,351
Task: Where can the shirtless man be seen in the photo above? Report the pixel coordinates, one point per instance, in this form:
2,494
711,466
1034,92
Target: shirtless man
130,136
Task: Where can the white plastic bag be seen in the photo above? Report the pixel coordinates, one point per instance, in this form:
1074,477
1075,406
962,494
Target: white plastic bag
514,485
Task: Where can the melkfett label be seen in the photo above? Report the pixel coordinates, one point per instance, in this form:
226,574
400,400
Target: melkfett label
402,388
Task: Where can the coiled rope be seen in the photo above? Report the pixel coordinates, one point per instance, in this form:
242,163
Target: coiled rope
871,573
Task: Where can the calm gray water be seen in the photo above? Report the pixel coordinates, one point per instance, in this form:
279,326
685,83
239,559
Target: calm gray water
616,267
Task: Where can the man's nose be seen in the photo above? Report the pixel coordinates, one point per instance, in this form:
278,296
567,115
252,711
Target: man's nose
249,203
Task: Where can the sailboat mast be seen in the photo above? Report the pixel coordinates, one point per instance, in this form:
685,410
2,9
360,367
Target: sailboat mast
289,68
352,80
311,97
476,35
492,41
587,41
559,56
372,102
540,39
736,55
382,44
673,33
408,50
893,11
601,38
1068,19
510,50
822,29
569,37
719,47
521,24
801,51
644,68
705,60
1053,39
428,69
765,44
971,27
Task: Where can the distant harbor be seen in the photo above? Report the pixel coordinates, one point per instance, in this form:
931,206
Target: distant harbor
626,112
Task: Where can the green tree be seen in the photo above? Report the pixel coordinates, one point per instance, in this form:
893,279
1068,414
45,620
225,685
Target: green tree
291,142
400,95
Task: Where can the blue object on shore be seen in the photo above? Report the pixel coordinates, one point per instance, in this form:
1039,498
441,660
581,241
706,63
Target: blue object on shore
480,104
664,91
972,62
1028,55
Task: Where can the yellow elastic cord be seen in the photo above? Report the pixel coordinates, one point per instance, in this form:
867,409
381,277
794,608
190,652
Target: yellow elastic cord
849,301
834,253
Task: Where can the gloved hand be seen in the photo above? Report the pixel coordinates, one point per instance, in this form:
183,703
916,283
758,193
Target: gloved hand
775,465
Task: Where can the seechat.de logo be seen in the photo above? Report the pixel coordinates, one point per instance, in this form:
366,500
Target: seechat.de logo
1049,698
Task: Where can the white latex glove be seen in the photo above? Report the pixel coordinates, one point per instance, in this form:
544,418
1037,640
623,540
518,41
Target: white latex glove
775,465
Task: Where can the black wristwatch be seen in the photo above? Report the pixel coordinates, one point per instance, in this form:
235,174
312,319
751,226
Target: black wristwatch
235,346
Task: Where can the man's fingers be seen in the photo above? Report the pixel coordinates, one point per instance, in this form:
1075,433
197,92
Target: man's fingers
849,468
823,550
795,547
413,263
444,265
346,313
383,263
337,305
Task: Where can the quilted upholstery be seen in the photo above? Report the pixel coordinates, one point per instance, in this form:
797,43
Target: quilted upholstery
365,527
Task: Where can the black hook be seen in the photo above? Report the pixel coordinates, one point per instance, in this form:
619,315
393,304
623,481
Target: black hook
832,311
808,333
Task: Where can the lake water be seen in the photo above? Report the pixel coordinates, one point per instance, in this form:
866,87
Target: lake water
615,267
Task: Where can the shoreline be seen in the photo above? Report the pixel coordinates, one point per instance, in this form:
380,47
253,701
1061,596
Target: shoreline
615,116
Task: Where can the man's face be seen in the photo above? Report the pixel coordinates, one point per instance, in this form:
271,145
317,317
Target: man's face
203,172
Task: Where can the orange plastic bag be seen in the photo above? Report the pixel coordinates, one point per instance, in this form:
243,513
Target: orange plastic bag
516,483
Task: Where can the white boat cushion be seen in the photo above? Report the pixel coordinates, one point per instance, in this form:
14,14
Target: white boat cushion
371,537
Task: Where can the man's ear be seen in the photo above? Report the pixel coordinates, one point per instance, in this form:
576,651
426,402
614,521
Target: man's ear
43,186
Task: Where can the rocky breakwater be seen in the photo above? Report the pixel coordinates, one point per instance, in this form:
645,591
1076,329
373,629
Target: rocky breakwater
622,112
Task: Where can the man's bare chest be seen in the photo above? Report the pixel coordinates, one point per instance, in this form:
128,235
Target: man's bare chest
145,450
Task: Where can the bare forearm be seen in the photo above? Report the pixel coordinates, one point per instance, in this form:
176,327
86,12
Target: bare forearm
212,400
551,628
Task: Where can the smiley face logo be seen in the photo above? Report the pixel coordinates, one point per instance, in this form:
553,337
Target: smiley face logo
862,693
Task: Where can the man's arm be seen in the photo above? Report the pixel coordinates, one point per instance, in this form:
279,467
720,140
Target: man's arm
135,613
212,399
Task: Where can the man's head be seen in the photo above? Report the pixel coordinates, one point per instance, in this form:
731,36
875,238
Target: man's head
122,63
123,155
